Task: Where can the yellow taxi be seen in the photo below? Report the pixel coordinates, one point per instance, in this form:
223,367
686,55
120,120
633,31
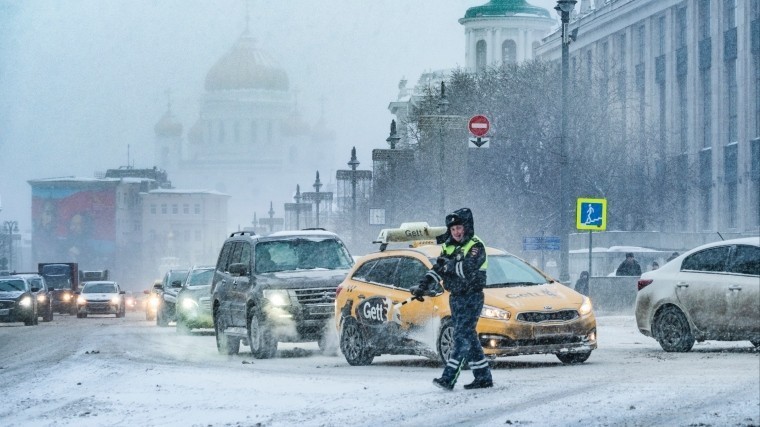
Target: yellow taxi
525,310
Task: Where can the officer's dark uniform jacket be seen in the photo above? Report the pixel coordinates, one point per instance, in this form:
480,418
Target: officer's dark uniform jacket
464,269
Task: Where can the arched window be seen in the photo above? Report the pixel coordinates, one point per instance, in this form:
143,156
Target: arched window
480,55
509,52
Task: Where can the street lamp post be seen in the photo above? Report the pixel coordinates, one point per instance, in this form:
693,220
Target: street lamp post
271,222
564,7
10,228
317,197
356,178
298,206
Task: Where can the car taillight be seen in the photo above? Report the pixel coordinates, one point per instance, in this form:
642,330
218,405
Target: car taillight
643,283
337,290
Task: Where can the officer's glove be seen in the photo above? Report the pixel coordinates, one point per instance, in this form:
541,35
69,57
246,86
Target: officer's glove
445,265
418,291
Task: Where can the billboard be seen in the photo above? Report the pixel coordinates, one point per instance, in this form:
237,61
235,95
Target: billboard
74,221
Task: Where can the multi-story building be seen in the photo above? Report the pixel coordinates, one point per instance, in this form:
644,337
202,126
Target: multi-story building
692,69
181,228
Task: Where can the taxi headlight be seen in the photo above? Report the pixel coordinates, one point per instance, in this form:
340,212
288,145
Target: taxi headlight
41,298
81,300
276,297
189,304
26,301
586,307
494,313
115,299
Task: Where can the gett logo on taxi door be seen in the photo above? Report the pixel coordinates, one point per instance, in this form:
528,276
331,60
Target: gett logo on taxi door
373,311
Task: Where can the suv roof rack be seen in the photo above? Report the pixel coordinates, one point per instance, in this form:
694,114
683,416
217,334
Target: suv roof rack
314,228
242,233
418,232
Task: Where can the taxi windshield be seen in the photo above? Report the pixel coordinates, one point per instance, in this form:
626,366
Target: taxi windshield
505,271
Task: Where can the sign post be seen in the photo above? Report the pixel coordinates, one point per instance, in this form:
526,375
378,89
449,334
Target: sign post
591,214
479,126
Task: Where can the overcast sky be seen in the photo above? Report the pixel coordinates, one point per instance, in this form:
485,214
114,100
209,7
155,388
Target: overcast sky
80,80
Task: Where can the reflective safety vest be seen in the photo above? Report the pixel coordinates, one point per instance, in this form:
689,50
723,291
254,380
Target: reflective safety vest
448,250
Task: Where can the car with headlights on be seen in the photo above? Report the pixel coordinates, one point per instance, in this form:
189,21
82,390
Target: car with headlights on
17,301
43,295
711,292
151,300
276,288
100,297
194,300
167,292
525,310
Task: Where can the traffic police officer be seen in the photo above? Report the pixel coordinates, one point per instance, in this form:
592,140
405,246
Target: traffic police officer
462,268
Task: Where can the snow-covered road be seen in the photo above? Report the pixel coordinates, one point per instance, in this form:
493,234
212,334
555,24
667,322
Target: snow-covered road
128,372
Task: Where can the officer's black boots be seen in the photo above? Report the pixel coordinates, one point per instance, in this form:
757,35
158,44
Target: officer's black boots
440,382
479,383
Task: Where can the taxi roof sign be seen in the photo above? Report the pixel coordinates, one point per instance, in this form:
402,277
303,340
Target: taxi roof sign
409,232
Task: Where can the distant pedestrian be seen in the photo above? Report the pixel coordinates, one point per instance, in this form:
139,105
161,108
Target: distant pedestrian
581,285
655,265
672,256
629,267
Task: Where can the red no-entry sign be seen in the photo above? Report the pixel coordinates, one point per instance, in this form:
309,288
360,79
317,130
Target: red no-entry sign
479,125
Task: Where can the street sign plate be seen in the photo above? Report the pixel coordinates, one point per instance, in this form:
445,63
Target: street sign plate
541,243
479,142
591,214
479,125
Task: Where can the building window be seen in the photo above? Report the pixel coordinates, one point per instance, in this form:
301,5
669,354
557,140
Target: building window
683,115
480,55
186,235
661,35
731,178
729,14
704,19
185,208
705,185
175,209
640,43
197,208
163,208
705,81
198,235
509,52
153,209
731,95
681,27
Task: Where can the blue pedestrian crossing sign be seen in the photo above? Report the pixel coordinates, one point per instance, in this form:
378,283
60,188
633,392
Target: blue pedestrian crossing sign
591,214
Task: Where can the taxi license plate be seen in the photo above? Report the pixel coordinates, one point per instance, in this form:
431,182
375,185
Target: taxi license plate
5,311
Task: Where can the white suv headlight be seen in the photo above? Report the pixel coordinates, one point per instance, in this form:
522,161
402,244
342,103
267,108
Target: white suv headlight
494,313
277,297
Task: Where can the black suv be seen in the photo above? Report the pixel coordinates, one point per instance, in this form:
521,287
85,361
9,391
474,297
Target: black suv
167,301
42,293
279,287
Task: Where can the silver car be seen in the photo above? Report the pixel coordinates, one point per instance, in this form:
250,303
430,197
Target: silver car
711,292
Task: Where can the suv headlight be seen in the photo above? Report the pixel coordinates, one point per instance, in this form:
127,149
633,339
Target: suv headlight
25,301
189,304
586,306
494,313
81,300
115,299
277,297
41,297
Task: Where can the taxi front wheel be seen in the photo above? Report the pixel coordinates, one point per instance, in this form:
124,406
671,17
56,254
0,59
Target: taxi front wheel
573,358
353,344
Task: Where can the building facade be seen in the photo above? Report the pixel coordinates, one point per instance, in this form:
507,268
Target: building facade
691,68
181,228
